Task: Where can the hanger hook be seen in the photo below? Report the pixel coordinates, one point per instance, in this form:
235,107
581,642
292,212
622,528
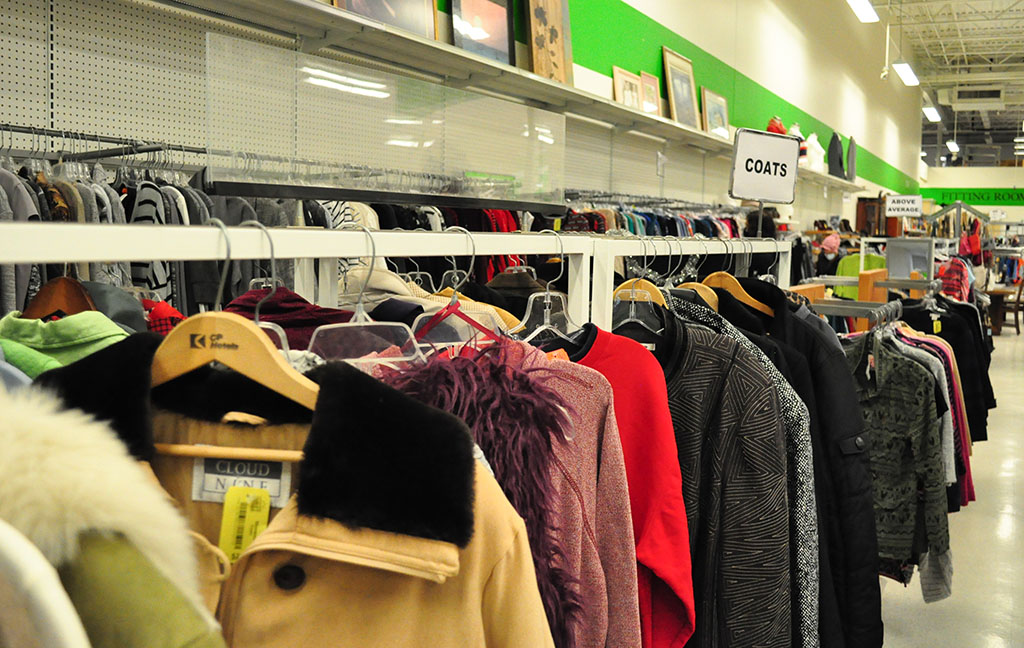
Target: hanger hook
227,261
472,259
361,315
273,266
561,254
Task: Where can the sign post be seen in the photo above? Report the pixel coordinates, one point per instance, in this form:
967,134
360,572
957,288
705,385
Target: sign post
764,168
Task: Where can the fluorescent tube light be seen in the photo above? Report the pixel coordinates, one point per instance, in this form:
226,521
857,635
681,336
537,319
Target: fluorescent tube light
373,85
906,73
376,94
403,143
1018,140
923,154
953,146
864,11
931,113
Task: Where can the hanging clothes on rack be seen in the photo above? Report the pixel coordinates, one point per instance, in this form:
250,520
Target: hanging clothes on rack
446,543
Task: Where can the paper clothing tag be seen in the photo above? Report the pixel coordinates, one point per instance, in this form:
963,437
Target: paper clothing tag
246,513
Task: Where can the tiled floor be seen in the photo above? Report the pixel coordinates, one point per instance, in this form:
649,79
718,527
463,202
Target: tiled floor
986,609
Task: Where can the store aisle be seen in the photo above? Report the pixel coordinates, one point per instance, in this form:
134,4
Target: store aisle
987,606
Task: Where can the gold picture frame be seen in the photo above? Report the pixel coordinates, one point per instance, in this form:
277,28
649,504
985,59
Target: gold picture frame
628,88
650,97
682,89
715,112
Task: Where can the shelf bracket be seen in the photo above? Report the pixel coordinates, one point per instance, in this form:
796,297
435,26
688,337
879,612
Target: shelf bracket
313,45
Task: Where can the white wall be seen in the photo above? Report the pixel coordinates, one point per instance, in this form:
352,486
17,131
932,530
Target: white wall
815,55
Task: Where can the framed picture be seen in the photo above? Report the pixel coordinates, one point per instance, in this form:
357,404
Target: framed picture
716,113
627,88
484,27
651,87
416,16
682,91
549,47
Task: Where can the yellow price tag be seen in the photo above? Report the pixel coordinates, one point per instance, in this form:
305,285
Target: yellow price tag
936,326
246,513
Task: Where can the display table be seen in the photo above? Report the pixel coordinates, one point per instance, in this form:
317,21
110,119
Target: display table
997,310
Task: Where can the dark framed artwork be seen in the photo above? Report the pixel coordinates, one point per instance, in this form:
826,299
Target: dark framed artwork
682,90
484,27
416,16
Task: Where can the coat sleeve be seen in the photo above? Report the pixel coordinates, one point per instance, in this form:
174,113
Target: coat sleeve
928,462
752,503
512,610
614,531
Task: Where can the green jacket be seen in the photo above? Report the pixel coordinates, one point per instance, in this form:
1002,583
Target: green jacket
64,341
849,266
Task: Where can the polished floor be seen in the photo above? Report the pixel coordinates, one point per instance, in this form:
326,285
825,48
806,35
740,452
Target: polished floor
986,609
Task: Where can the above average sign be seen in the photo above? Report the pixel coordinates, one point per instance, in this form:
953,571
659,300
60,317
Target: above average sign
764,167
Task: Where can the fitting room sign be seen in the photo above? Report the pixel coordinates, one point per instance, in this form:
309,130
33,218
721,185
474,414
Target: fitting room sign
900,206
764,167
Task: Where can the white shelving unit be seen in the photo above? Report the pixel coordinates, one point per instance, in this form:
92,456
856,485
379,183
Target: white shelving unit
67,242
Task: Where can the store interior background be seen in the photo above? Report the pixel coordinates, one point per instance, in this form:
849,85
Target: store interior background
808,62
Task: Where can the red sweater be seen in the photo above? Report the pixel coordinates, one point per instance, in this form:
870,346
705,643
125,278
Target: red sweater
667,613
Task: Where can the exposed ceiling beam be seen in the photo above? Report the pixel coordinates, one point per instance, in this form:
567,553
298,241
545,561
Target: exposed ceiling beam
971,77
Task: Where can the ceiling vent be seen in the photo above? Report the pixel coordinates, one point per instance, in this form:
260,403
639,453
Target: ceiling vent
962,98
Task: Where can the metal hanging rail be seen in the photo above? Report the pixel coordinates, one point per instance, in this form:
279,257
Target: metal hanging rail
874,312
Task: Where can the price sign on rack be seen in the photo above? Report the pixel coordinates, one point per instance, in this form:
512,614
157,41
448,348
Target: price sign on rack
764,167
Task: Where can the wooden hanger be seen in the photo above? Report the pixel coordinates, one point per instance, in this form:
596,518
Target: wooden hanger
627,288
705,293
236,343
728,282
60,294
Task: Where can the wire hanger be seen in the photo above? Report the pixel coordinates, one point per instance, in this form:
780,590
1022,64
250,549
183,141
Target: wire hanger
557,322
233,341
362,341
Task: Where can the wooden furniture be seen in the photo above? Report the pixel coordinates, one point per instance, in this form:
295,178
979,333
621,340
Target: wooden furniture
1000,306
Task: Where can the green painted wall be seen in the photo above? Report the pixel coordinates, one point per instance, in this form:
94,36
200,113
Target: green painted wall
606,33
989,197
599,41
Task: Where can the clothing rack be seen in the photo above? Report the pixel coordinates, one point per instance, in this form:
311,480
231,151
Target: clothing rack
314,248
832,280
875,312
929,286
959,207
640,200
607,249
341,181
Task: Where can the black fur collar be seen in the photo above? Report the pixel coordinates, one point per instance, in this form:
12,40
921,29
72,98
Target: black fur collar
374,457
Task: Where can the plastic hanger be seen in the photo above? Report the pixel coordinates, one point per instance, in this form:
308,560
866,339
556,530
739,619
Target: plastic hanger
362,341
427,323
7,162
520,266
540,311
272,329
233,341
636,292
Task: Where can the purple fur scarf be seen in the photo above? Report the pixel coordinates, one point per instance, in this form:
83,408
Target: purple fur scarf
515,418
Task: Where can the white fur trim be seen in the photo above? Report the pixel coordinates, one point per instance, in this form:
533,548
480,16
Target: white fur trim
63,473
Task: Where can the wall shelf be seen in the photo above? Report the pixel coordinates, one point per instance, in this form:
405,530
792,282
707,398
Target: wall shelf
829,181
319,26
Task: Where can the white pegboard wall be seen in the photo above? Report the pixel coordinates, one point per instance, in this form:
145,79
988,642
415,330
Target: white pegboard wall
24,69
110,67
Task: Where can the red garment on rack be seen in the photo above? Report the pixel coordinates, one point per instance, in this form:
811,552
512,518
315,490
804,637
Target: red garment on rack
667,612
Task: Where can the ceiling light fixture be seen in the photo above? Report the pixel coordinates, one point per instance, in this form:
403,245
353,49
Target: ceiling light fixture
931,113
864,11
953,146
924,153
906,73
1018,140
